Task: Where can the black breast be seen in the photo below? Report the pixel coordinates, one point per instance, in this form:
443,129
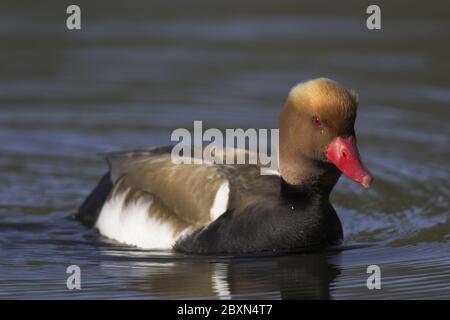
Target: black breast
283,220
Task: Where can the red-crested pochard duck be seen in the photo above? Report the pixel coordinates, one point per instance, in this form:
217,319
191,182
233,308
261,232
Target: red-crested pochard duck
149,201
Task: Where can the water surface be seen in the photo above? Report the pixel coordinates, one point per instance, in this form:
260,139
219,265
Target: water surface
138,70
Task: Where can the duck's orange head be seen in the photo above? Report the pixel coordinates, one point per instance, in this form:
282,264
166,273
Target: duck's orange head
317,124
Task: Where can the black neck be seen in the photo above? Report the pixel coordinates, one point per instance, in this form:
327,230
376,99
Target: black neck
312,190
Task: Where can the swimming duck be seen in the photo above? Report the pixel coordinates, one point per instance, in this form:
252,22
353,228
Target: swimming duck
148,201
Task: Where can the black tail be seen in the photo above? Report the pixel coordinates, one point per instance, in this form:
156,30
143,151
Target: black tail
90,209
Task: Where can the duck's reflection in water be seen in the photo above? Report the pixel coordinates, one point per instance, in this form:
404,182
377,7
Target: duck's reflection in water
292,276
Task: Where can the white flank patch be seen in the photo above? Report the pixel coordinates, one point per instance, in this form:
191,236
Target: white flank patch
270,172
132,224
220,203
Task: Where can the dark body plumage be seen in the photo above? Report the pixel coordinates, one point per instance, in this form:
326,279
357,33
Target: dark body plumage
264,212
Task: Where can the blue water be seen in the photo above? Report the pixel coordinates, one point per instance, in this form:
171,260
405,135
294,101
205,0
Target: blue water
137,70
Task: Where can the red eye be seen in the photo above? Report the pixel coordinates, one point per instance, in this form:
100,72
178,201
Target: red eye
316,121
